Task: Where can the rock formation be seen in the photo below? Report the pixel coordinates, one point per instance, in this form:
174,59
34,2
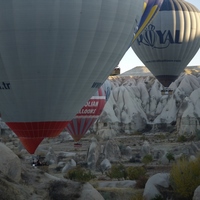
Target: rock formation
137,104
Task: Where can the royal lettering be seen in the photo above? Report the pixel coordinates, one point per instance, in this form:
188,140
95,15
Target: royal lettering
153,38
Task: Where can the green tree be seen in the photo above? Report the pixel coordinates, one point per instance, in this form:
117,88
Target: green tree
79,174
134,173
170,156
147,159
117,171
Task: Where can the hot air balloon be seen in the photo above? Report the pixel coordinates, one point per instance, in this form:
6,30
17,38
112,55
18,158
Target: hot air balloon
58,51
151,8
170,41
86,117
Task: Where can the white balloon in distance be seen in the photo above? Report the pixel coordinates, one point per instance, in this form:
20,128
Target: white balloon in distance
54,55
170,41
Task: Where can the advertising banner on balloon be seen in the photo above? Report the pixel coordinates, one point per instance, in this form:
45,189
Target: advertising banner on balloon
92,107
170,41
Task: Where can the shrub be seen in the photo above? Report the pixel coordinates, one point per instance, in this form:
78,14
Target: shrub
141,182
147,159
182,138
170,156
160,136
185,178
138,196
137,133
117,171
79,174
183,157
134,173
158,197
62,190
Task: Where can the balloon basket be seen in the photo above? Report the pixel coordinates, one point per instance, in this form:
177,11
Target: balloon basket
167,91
77,145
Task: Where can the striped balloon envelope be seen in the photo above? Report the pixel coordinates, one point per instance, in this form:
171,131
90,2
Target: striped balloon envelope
151,8
55,54
86,117
170,41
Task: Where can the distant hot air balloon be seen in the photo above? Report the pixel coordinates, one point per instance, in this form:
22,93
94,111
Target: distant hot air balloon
58,51
170,41
86,117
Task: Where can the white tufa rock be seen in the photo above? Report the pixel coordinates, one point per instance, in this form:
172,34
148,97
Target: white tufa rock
136,101
160,179
71,164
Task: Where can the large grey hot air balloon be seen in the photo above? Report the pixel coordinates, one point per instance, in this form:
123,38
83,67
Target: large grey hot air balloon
54,54
170,41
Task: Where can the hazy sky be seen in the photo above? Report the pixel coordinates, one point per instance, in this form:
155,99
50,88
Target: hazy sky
130,60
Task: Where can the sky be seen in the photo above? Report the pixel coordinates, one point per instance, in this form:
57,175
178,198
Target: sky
130,60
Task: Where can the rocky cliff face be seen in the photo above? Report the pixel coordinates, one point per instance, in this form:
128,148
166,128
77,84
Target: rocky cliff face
136,103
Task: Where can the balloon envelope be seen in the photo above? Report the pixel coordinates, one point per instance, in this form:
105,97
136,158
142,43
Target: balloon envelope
151,8
87,115
58,51
170,41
